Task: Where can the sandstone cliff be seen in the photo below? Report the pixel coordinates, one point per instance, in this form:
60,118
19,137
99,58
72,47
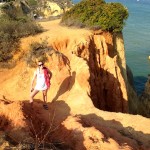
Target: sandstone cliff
144,101
102,74
89,70
56,8
89,129
43,8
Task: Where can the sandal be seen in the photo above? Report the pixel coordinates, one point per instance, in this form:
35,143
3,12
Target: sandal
45,106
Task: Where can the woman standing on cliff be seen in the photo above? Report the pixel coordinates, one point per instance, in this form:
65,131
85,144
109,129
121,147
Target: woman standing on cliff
42,76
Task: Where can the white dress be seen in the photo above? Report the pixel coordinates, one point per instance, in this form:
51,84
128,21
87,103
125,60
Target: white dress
40,82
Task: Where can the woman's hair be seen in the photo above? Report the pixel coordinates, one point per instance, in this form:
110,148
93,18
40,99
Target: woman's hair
40,61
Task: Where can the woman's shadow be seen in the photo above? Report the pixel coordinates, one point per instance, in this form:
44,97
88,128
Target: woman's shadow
66,85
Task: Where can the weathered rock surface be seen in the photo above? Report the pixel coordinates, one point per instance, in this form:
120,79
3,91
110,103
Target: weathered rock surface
56,7
144,101
47,8
89,70
90,129
87,66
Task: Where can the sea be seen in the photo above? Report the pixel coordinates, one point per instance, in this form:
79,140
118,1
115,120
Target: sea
136,35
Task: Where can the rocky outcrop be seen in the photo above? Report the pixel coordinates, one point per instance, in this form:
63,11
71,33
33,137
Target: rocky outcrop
52,9
43,8
15,7
96,72
133,98
88,72
24,127
56,8
105,56
106,75
144,101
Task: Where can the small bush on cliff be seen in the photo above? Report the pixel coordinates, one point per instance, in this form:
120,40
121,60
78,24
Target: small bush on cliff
113,16
38,51
14,26
97,13
32,3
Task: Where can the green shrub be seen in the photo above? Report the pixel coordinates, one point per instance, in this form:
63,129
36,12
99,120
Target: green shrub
32,3
82,13
38,51
14,26
113,16
8,42
96,13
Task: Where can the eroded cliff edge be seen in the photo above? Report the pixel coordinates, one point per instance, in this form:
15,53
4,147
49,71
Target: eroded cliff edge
89,68
96,58
105,56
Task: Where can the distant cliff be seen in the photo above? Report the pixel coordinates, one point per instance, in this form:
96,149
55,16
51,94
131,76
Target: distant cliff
45,8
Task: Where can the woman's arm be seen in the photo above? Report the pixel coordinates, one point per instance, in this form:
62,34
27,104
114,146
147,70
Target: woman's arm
49,73
33,80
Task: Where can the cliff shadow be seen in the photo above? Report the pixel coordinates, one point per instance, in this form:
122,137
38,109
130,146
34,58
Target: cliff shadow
112,129
106,92
66,85
34,126
139,83
143,104
5,126
58,110
66,61
40,120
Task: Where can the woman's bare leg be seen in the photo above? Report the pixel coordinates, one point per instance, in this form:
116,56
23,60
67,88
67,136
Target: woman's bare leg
45,96
32,96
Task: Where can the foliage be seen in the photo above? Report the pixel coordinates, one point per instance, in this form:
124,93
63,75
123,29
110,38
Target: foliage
32,2
14,25
113,16
37,52
97,13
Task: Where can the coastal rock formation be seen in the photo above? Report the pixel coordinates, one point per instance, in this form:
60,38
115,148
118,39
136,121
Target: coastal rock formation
56,8
133,98
89,72
52,9
43,8
90,129
144,101
90,65
100,77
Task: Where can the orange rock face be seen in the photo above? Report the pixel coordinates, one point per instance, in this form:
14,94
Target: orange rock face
86,66
89,130
104,75
89,72
107,80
